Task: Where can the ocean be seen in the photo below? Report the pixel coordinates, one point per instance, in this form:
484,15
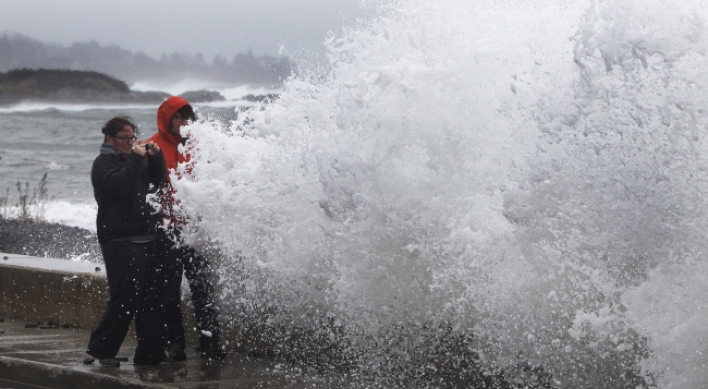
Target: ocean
463,192
62,140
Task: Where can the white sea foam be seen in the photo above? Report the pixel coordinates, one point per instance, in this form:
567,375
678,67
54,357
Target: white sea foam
480,183
174,87
524,178
55,166
57,211
230,93
72,214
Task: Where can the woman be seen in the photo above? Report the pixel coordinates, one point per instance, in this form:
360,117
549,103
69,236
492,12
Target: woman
122,176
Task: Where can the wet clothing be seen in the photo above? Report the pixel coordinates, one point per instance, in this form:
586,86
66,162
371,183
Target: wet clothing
186,260
196,268
133,252
120,184
163,136
170,143
135,281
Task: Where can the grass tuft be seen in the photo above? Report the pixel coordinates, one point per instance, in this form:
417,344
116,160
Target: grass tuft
31,203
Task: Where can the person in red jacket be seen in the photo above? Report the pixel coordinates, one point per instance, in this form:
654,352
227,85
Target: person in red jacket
174,113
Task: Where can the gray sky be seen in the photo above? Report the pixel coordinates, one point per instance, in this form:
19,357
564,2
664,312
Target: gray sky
155,27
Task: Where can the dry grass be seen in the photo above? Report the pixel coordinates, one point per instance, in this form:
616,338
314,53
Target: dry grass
31,203
4,210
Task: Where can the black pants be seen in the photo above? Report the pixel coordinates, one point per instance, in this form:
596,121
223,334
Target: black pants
185,259
136,282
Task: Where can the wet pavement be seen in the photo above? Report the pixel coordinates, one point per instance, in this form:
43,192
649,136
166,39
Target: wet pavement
53,358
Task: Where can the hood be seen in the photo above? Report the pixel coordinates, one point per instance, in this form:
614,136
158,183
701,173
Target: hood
108,149
168,108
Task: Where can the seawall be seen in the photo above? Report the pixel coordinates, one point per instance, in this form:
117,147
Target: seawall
58,292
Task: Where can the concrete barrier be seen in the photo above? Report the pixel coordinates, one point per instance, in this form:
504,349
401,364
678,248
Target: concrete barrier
51,290
59,291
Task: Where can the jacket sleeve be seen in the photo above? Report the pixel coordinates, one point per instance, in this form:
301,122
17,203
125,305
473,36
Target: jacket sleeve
156,168
114,177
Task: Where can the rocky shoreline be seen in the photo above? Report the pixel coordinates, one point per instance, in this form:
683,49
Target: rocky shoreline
86,87
48,240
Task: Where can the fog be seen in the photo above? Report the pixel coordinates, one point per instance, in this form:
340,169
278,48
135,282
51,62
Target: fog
212,27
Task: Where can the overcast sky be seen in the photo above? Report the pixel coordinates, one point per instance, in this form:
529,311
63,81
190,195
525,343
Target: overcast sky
155,27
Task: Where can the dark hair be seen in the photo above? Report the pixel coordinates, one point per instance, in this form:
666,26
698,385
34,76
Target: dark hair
187,112
115,125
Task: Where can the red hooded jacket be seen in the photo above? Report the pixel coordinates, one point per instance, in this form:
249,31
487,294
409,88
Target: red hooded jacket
169,143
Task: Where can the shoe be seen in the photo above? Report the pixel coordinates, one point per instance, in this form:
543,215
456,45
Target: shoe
167,361
108,362
213,352
177,353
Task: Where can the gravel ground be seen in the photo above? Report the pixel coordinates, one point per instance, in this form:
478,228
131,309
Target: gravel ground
48,240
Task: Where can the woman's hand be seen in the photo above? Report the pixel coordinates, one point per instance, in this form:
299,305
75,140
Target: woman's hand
149,148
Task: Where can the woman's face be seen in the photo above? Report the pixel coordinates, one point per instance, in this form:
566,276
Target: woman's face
123,140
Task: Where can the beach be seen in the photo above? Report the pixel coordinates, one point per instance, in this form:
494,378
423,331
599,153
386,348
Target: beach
51,240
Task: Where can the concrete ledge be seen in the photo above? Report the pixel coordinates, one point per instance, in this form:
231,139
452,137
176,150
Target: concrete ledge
32,293
60,291
53,357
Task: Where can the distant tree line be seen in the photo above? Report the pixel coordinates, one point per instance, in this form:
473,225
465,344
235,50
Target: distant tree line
18,51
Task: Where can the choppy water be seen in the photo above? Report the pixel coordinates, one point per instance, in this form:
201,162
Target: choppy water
62,141
473,190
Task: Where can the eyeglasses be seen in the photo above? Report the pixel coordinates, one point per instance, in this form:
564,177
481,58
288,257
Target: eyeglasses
126,138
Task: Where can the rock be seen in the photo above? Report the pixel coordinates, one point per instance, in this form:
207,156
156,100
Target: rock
48,239
69,86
